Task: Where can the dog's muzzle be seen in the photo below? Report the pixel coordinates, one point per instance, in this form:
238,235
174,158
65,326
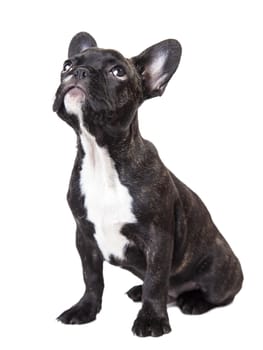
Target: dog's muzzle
81,73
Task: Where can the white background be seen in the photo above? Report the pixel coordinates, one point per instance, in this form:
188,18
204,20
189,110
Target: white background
208,130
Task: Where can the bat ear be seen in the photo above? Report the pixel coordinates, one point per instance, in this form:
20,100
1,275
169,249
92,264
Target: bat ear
80,42
156,65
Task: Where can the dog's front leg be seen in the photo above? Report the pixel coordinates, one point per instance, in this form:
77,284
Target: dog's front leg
92,263
152,319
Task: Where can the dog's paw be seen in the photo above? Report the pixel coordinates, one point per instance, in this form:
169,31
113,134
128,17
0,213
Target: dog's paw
193,303
135,293
82,312
150,324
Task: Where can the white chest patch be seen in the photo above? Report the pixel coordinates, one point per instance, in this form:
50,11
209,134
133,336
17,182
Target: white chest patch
108,202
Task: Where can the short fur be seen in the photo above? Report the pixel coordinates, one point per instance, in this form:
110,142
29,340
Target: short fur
165,236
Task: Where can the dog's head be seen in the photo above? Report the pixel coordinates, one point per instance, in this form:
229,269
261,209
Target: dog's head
107,88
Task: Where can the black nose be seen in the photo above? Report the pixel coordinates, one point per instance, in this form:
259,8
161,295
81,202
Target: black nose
81,73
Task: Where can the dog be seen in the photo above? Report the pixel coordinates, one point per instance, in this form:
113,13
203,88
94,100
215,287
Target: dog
130,210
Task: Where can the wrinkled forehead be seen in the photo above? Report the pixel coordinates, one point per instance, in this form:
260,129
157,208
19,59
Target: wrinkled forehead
99,58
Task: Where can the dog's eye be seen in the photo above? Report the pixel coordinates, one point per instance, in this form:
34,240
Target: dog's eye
67,65
119,72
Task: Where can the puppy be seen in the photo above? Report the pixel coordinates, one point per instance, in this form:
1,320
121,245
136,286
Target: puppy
130,210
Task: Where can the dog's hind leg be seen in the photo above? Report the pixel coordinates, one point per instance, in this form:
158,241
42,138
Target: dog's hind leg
193,303
216,286
135,293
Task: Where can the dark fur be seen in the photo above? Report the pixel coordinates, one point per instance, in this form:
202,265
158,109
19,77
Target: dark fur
178,252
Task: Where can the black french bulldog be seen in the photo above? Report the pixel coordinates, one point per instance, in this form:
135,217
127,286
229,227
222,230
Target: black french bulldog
130,210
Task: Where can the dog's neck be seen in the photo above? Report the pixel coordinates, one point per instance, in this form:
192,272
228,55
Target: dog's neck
122,146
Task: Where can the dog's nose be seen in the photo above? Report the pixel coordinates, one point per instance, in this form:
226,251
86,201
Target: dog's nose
81,73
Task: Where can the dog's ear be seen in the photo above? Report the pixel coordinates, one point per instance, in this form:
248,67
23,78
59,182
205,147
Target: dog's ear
80,42
156,65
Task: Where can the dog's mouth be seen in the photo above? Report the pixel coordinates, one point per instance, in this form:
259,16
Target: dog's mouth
72,92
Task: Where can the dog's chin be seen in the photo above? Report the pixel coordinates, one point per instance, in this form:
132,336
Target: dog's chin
71,96
74,100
